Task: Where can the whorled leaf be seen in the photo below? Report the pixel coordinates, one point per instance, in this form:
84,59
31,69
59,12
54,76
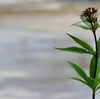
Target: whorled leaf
82,43
74,50
86,80
82,26
79,70
98,87
96,82
92,67
96,26
98,68
84,20
86,26
82,81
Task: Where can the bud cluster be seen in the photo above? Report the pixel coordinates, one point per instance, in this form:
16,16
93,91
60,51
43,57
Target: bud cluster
90,14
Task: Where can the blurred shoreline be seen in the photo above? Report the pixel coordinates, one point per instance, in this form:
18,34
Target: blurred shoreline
45,8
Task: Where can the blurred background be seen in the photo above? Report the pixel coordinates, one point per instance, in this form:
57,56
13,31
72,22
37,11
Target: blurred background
30,67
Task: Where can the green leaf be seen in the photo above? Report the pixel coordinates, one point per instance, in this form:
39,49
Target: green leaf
84,20
98,67
96,82
98,45
90,82
98,87
92,66
82,26
75,50
96,25
82,43
82,81
79,70
86,80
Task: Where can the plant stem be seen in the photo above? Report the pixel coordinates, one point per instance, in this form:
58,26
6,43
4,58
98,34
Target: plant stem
96,57
96,47
93,94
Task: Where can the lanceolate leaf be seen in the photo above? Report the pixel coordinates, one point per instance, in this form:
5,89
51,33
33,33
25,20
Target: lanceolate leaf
81,73
75,50
82,43
96,25
79,70
82,26
96,83
92,66
82,81
84,20
98,87
98,67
